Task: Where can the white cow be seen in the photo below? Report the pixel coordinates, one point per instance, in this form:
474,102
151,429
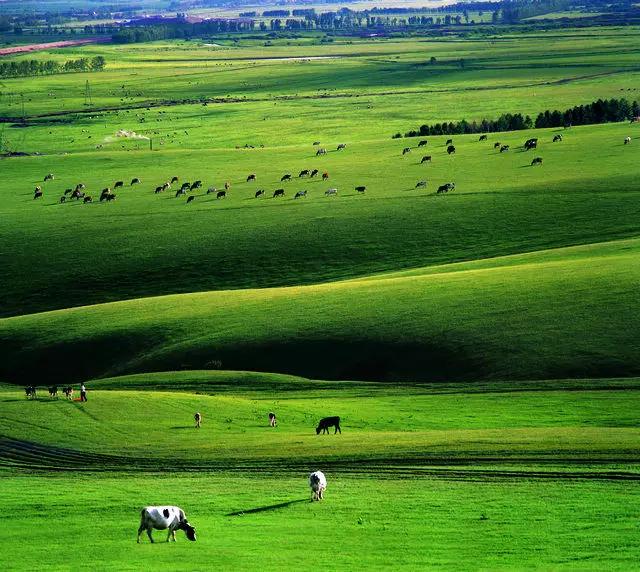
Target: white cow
330,192
163,518
318,484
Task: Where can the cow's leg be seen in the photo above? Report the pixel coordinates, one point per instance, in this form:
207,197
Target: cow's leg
338,429
140,529
169,535
149,534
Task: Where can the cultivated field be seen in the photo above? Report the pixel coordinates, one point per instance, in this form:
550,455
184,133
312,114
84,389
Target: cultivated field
481,346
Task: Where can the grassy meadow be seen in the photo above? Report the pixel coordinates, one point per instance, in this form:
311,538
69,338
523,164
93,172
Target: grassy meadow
480,346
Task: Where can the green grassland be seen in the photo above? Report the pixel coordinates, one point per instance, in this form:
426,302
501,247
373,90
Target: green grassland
481,346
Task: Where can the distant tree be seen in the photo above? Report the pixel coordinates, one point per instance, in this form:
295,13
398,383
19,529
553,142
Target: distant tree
98,63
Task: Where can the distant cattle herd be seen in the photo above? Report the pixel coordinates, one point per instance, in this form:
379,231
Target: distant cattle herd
78,193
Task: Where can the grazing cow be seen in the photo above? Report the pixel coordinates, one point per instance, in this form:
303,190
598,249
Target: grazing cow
446,188
221,195
449,142
63,199
49,177
300,194
278,193
259,193
451,149
37,195
325,176
496,145
303,173
251,177
328,422
135,181
557,137
31,392
504,148
118,184
197,417
314,173
318,484
341,146
423,143
67,191
185,186
227,185
272,419
111,197
170,518
482,138
87,199
330,192
321,151
180,192
196,185
174,180
53,391
166,186
421,184
158,190
316,142
361,189
286,177
406,150
531,143
627,140
80,187
537,161
68,392
191,198
211,190
425,159
38,188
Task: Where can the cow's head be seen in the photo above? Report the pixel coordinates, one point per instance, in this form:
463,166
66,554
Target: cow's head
189,530
318,429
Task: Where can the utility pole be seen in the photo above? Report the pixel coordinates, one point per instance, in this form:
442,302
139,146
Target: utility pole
87,94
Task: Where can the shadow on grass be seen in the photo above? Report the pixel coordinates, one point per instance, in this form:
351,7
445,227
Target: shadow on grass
266,508
183,427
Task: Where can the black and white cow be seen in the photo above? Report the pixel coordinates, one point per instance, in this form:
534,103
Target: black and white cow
169,518
318,484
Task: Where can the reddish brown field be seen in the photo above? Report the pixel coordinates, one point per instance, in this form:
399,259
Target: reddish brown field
50,45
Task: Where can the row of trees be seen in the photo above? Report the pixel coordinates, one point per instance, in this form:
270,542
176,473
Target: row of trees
600,111
24,68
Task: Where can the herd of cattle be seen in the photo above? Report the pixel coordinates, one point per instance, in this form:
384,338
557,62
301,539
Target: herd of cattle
31,392
107,195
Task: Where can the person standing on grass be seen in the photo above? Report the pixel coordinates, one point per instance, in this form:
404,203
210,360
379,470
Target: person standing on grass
83,393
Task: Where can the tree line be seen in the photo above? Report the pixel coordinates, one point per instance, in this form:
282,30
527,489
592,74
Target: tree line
25,68
600,111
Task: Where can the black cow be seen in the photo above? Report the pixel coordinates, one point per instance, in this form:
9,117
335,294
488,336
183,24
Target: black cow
482,138
135,181
118,184
53,391
406,150
425,159
37,195
328,422
63,199
251,177
557,138
174,180
221,195
195,185
361,189
341,146
303,173
536,161
449,142
185,186
158,190
446,188
421,184
423,143
314,173
531,143
504,148
260,193
67,191
278,193
286,177
87,199
451,149
111,197
191,198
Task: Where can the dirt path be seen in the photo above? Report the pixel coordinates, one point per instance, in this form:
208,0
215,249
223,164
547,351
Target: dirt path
63,44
